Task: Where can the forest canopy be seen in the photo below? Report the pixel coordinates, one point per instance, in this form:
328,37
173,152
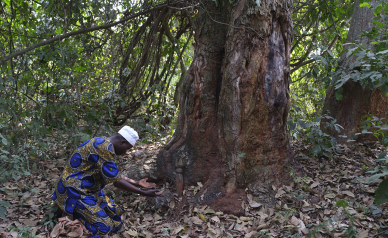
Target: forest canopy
74,69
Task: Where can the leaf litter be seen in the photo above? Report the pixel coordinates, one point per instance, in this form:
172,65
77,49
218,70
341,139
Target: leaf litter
305,207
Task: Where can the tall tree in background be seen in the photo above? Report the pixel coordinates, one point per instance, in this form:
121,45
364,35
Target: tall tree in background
352,101
231,129
319,29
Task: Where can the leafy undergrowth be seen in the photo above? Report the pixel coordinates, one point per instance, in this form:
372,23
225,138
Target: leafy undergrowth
330,200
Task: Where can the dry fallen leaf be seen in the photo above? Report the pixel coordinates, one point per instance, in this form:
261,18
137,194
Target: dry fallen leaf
350,194
314,184
29,222
294,221
215,219
73,234
252,234
178,229
330,195
196,220
262,227
280,193
363,234
130,233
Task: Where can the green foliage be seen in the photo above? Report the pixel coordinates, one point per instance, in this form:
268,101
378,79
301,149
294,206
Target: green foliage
54,97
241,155
166,232
351,231
318,141
370,62
3,208
320,30
50,218
342,203
370,69
378,127
381,194
157,116
379,171
23,232
315,232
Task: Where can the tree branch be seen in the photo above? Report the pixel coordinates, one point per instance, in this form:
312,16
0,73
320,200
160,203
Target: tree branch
82,31
297,42
305,54
332,18
300,64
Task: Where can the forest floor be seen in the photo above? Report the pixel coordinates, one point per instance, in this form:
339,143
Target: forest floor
306,207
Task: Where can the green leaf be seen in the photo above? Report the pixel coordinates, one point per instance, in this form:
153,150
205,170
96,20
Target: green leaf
378,9
338,94
382,193
302,124
382,52
342,203
365,4
209,211
3,211
378,24
5,204
384,88
241,155
4,141
292,126
382,154
374,177
386,8
384,141
316,150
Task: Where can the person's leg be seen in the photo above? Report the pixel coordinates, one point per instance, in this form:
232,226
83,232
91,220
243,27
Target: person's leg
113,211
97,222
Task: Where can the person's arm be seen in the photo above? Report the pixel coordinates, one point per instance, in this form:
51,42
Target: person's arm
124,185
131,181
141,182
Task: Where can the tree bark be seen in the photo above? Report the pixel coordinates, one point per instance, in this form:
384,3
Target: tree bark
357,101
231,131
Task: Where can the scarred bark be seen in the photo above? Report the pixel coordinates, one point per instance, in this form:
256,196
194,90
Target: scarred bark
231,131
357,101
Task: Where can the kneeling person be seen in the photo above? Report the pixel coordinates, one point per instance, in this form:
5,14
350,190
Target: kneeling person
78,191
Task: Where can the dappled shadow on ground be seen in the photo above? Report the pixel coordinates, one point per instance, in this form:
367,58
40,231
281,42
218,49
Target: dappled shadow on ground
301,208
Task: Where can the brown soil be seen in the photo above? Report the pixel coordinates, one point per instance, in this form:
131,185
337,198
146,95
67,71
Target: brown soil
231,204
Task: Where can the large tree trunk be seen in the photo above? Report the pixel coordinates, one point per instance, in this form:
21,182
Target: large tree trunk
357,101
231,131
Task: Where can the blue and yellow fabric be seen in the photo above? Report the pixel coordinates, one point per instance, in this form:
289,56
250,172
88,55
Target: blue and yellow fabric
79,193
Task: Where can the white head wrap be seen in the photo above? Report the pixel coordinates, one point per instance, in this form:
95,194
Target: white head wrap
129,134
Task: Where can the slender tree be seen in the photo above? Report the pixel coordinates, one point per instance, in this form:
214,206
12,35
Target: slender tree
231,130
357,100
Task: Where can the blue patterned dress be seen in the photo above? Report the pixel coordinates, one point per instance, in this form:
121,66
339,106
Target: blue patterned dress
79,193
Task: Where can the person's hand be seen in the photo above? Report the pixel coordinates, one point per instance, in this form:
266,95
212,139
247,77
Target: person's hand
152,193
145,184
